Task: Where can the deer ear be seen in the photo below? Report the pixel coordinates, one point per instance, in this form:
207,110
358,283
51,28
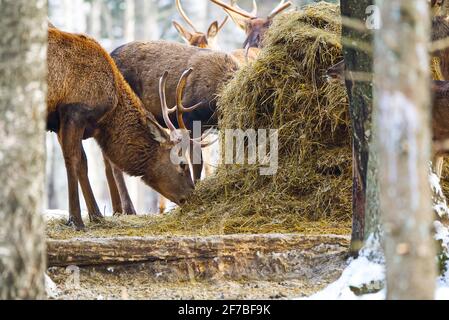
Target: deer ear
156,131
213,30
186,35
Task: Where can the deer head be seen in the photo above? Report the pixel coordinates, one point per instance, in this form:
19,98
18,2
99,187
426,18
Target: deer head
169,178
254,26
197,38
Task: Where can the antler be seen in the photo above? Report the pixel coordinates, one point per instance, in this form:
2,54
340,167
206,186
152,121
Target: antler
180,109
184,15
163,97
236,9
280,7
179,93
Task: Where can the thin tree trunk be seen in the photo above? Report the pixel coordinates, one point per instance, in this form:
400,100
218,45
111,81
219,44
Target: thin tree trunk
402,99
130,21
22,151
357,40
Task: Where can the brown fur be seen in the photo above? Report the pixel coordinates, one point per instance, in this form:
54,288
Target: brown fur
440,123
88,97
143,63
242,58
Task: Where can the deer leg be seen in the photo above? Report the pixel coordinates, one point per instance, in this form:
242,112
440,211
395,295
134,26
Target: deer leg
113,189
91,203
127,204
162,204
70,136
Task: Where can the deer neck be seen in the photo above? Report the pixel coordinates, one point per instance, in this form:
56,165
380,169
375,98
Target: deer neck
124,138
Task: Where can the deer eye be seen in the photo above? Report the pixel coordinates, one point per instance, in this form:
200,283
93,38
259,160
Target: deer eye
183,166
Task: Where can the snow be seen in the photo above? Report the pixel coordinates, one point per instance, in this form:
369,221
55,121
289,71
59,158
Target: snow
51,288
439,200
368,270
61,214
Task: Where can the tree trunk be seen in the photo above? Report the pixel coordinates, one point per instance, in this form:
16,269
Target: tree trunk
130,21
22,151
358,59
403,118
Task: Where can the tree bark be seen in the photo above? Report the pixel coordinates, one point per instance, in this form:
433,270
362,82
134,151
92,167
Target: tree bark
357,40
403,118
22,151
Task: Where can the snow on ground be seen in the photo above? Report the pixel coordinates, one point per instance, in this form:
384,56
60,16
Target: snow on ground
61,214
364,278
439,200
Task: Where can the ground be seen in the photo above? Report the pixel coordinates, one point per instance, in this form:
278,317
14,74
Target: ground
97,285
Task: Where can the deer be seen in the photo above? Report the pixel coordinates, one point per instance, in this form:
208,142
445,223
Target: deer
440,113
254,26
197,38
141,63
209,40
89,98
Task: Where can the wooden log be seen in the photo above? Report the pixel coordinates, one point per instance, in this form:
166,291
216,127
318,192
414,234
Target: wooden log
185,258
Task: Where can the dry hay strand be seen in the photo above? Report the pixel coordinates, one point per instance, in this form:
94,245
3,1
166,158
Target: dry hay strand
284,89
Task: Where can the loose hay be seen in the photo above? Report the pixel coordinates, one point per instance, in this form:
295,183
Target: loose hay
284,89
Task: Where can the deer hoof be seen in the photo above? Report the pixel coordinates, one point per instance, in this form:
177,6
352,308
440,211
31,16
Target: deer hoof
76,223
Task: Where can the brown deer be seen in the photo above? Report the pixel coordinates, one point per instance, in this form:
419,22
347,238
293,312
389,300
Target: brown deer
254,26
89,98
209,40
440,113
197,38
136,61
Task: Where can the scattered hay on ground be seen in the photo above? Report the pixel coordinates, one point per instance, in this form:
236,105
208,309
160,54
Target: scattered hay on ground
174,225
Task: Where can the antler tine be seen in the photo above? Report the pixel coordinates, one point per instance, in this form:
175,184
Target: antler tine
184,15
204,136
281,7
233,2
225,20
234,9
179,95
254,12
163,97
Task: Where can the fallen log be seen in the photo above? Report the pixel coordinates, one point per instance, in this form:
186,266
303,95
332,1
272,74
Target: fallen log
270,256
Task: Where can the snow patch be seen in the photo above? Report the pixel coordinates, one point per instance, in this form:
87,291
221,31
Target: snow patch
51,288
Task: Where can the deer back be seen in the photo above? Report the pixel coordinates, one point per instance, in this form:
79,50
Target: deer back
143,63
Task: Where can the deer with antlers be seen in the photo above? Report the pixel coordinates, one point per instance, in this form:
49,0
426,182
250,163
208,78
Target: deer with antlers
209,40
89,98
143,62
195,37
254,26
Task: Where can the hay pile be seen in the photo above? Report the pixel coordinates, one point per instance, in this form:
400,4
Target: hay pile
285,89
